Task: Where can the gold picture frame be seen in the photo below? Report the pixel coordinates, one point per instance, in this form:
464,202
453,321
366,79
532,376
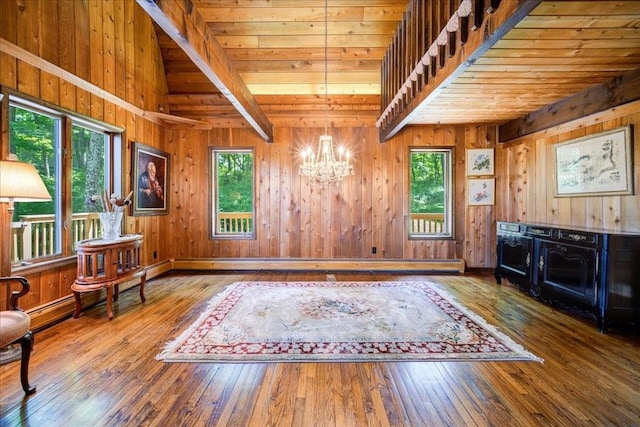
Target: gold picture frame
150,181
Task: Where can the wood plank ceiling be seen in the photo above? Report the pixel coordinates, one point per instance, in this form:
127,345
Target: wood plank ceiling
277,48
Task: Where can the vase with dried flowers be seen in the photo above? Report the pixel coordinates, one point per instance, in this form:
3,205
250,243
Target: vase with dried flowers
110,210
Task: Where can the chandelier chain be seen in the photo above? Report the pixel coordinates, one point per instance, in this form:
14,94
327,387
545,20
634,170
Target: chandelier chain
323,166
326,61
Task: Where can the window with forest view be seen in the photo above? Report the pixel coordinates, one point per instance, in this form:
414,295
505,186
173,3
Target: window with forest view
88,174
233,193
430,189
35,137
38,135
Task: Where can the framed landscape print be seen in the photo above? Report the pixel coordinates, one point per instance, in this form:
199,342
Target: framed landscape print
480,161
481,192
595,165
150,180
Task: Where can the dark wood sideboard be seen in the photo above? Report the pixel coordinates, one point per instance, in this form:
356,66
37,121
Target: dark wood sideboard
593,270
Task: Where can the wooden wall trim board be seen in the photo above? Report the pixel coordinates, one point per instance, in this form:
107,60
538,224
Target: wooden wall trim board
44,65
265,264
82,84
47,315
43,266
158,269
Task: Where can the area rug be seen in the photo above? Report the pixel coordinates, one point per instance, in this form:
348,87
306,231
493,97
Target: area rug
339,321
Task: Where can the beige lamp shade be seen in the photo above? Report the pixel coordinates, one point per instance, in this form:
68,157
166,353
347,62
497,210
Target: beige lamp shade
20,182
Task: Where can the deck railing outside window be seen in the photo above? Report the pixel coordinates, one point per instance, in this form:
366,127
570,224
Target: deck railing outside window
235,222
34,235
426,223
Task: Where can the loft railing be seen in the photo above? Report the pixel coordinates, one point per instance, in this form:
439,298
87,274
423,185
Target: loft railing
34,236
429,34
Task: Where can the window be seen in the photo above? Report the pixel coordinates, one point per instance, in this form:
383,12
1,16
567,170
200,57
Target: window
88,174
35,137
232,193
431,193
42,136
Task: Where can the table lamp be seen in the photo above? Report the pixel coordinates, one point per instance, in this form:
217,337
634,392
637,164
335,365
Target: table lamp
20,182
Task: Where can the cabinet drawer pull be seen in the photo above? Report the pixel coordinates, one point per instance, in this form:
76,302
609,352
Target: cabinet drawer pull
528,260
541,263
576,237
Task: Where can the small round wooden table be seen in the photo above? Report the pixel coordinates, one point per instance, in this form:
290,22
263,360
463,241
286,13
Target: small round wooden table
106,264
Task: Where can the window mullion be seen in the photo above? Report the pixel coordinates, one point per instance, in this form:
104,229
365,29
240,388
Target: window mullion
66,184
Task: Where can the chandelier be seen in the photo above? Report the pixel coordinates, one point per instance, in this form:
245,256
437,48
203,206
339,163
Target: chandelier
323,165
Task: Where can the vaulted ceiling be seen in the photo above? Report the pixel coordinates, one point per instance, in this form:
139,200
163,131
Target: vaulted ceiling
276,47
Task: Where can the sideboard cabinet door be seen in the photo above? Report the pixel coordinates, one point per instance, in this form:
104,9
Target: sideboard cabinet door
620,295
567,273
515,252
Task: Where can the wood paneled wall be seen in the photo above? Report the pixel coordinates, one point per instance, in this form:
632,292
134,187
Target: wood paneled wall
296,219
525,180
109,44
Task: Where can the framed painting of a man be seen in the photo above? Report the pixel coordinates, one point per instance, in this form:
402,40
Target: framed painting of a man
150,180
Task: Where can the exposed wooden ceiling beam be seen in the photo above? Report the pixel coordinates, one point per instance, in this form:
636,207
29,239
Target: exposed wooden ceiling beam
619,91
181,21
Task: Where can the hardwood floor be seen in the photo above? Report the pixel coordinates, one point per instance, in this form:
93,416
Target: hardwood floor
92,372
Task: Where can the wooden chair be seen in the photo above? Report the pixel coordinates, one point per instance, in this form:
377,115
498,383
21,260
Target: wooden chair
15,328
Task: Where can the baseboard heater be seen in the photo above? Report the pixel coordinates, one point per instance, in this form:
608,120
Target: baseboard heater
297,264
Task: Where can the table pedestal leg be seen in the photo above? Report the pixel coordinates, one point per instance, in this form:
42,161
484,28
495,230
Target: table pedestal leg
110,302
142,282
76,314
